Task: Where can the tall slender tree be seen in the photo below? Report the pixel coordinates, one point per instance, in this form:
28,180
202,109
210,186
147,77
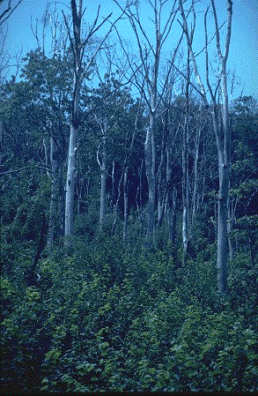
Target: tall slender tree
147,78
222,133
80,71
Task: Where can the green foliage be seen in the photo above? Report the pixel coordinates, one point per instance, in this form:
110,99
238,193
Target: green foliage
111,319
216,352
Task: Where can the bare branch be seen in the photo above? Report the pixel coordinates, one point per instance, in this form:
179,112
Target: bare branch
135,70
228,37
103,40
210,40
171,66
8,11
193,85
207,57
217,29
94,28
189,43
229,28
169,23
69,33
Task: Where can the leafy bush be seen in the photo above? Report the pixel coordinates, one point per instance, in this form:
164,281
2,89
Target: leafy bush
112,319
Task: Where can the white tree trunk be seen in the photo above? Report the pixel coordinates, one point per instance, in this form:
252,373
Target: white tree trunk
103,178
222,227
125,203
150,173
54,193
70,178
78,49
222,136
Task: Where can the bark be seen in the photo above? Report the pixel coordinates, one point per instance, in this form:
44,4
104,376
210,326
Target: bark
70,180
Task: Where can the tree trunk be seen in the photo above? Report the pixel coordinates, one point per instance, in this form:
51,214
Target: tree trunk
125,203
78,50
231,225
186,225
146,77
138,197
150,173
162,196
113,186
222,227
223,156
103,179
185,190
222,136
172,225
54,193
74,124
195,198
70,179
61,200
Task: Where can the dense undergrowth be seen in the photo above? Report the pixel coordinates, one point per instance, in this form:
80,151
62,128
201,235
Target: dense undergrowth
111,318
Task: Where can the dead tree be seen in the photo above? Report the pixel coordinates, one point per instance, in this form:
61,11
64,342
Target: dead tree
222,132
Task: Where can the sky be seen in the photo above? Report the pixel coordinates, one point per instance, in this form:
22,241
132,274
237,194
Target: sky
243,56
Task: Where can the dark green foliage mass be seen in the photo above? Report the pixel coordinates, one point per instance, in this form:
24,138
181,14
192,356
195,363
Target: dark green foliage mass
111,315
109,319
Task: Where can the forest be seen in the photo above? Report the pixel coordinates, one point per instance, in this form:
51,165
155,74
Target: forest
129,208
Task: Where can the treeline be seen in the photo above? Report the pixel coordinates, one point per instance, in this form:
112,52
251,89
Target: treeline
111,187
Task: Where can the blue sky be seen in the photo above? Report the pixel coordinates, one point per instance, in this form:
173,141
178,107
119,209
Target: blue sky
243,57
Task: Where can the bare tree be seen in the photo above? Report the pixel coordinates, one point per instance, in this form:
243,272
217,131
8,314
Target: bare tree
146,75
80,71
222,132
